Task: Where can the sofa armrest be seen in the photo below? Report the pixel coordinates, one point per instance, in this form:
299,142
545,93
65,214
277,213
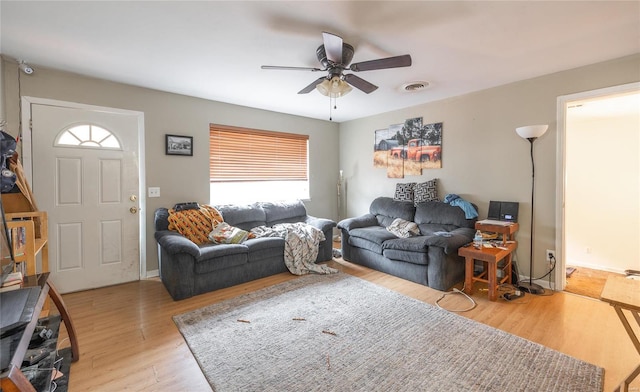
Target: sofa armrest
358,222
323,224
174,243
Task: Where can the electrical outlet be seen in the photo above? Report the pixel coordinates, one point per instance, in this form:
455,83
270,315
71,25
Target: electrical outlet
551,255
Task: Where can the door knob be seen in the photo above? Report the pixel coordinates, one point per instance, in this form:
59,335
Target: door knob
133,210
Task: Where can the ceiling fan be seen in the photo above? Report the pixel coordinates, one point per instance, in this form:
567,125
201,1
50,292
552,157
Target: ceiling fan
335,57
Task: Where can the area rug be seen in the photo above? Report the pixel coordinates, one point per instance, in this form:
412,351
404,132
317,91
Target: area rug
341,333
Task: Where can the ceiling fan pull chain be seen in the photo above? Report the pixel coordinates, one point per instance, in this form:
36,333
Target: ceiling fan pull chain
330,110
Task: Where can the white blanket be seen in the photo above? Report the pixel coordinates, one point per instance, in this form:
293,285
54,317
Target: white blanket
300,246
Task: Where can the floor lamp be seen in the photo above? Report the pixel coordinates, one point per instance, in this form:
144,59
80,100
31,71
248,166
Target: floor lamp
337,237
531,133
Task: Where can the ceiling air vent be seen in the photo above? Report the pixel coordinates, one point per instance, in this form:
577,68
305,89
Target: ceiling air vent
412,87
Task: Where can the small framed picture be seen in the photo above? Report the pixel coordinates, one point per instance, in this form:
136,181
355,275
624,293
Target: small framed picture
179,145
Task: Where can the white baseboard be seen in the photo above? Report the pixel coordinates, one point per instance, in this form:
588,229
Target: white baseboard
543,283
596,267
152,274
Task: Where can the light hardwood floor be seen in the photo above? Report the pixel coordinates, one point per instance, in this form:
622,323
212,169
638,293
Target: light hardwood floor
588,282
128,340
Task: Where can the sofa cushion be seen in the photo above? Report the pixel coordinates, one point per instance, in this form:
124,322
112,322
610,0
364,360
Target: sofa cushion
420,258
215,257
450,243
435,212
412,250
244,217
370,238
385,209
195,224
412,244
284,212
264,248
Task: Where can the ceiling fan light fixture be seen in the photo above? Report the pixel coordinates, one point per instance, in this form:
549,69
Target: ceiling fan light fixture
334,87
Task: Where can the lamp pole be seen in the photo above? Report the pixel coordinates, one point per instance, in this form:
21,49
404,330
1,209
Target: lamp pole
531,287
531,133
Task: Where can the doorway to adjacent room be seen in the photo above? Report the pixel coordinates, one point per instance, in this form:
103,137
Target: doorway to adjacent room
598,200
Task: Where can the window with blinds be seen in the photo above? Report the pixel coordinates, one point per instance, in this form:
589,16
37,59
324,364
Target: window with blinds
271,164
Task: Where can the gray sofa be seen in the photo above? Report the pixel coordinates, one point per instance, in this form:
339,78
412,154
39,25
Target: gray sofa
187,269
430,259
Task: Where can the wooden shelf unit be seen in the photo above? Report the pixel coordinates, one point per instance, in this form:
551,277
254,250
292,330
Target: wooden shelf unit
35,226
13,378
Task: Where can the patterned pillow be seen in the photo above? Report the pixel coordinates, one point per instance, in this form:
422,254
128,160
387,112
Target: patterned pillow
403,228
195,224
425,191
224,233
404,192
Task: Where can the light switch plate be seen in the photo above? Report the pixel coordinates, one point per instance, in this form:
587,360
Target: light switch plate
154,191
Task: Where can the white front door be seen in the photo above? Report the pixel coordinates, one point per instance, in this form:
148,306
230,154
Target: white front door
85,175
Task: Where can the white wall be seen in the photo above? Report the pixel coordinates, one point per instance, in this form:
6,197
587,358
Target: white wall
183,178
603,192
483,158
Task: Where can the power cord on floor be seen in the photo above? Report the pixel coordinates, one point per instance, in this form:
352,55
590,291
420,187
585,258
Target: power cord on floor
553,267
456,291
546,292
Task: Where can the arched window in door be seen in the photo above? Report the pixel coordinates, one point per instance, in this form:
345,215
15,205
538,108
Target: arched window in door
88,136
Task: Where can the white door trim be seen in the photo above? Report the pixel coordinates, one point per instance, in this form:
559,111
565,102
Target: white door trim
562,102
27,162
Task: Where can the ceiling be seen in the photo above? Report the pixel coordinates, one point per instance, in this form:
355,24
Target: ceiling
214,49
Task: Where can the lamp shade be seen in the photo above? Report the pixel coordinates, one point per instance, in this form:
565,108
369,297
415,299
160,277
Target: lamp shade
532,131
334,88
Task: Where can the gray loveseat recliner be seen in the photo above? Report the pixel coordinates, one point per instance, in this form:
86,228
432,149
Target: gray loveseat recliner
430,259
187,269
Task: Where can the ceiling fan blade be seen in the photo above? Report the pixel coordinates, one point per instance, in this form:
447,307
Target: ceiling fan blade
333,47
278,67
312,86
389,62
360,83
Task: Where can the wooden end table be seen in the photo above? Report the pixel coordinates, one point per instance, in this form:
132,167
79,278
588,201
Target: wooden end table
491,258
507,229
624,294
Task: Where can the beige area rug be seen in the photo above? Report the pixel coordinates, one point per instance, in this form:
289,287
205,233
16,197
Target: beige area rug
341,333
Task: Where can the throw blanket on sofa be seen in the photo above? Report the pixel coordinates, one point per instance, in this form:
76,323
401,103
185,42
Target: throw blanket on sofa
455,200
300,246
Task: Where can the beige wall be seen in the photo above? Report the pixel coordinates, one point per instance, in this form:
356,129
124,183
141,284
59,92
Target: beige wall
603,192
483,158
183,178
2,116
